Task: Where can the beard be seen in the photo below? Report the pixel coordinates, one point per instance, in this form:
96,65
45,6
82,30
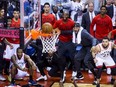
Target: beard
105,46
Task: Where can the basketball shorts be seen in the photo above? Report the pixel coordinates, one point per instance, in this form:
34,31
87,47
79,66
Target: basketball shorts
108,62
20,74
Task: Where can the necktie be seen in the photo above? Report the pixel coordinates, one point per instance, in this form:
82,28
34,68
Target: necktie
115,16
56,16
91,17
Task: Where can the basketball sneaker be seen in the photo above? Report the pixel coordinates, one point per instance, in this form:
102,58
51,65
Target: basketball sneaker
74,73
80,76
42,78
64,77
32,82
112,81
12,84
98,85
89,72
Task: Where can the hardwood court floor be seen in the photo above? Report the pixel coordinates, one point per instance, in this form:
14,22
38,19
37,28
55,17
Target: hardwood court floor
88,79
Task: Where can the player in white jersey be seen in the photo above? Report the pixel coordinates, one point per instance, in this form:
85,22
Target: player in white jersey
101,55
18,68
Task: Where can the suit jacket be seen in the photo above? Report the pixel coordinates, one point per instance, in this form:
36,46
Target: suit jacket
110,11
87,40
86,21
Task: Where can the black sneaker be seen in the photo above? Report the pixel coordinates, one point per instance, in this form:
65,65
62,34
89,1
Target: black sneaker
112,81
32,82
95,81
12,84
80,76
98,85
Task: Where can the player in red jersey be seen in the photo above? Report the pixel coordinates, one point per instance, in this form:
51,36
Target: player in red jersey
65,45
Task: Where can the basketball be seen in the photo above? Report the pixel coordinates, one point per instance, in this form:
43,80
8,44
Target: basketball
47,28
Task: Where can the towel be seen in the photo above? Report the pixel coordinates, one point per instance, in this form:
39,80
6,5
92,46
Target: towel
77,38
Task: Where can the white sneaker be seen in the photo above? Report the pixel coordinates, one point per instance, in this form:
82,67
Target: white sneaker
64,73
2,78
42,78
89,72
27,74
108,71
38,70
74,73
64,77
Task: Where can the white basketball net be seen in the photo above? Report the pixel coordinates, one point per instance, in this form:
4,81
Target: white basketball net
49,43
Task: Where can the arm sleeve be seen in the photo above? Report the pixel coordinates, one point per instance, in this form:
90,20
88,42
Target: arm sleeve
110,25
90,37
83,24
91,27
55,25
114,32
66,5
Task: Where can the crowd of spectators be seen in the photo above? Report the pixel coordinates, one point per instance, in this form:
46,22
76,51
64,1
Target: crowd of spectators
96,17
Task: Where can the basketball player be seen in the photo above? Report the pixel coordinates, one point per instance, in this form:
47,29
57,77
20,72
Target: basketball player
51,59
101,55
18,68
65,45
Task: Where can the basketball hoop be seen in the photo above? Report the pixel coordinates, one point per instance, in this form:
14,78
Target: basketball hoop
49,42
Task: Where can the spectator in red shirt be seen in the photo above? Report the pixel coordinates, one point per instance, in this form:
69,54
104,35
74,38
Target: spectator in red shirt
15,23
103,25
65,45
47,16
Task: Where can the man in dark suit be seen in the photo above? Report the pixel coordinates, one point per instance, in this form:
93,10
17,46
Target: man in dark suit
111,11
84,54
88,16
